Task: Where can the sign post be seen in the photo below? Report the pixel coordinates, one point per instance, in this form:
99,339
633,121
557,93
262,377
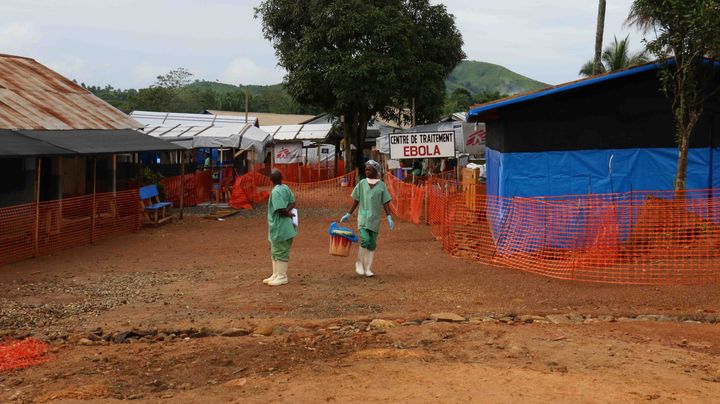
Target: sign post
422,145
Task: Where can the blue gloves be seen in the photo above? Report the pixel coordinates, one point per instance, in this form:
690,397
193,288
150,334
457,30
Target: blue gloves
390,222
345,217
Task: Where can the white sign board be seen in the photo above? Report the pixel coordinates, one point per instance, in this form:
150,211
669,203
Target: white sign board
422,145
287,153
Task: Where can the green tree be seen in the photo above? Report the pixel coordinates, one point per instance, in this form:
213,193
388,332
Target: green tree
615,57
687,31
176,78
359,58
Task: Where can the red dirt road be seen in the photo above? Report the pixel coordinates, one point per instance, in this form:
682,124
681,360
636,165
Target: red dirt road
179,286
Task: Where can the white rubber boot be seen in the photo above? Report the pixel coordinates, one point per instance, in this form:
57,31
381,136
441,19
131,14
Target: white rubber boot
368,262
274,275
281,278
360,262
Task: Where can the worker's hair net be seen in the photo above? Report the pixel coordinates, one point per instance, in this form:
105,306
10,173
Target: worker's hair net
375,165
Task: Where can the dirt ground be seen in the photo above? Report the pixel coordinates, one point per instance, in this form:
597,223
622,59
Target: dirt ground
178,313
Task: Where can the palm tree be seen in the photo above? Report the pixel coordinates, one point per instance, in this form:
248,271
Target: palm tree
615,57
597,63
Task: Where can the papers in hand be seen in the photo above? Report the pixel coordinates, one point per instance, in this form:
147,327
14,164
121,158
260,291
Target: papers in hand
295,217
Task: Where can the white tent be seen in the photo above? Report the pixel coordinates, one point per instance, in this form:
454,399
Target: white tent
205,131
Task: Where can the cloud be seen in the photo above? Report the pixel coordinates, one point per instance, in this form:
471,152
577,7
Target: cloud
18,37
72,67
246,71
145,74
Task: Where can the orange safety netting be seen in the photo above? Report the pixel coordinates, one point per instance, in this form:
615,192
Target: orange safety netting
31,229
16,354
254,188
630,238
306,173
198,188
407,199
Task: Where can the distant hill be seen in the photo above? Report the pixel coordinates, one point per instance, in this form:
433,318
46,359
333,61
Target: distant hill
469,74
480,76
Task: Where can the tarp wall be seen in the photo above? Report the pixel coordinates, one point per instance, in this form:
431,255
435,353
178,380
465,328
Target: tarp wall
582,172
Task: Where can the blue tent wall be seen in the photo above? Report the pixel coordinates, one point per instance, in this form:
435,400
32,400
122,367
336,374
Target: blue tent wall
581,172
515,176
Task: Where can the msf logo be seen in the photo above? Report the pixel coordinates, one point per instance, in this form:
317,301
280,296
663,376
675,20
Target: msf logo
284,153
476,138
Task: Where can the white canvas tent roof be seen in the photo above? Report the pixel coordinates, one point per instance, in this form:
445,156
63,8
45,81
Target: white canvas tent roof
246,137
152,118
297,133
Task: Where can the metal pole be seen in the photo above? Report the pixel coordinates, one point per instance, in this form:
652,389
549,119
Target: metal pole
182,182
38,166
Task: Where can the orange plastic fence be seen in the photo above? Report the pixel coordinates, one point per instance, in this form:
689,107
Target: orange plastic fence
198,187
307,173
332,193
16,354
407,199
36,229
629,238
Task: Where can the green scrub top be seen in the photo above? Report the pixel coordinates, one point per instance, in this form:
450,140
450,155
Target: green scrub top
372,200
280,228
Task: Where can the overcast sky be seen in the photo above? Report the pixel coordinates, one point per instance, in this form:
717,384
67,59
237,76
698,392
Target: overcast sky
127,43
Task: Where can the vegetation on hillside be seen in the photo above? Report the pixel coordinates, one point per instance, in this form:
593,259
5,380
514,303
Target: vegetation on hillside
479,77
469,83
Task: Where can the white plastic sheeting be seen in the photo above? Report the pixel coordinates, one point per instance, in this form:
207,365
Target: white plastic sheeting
152,118
294,133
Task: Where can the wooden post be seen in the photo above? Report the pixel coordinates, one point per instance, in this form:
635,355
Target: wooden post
114,177
60,194
92,232
246,106
38,167
319,160
138,170
182,182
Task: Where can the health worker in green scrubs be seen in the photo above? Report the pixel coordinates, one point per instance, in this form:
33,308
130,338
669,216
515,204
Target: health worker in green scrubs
281,229
372,196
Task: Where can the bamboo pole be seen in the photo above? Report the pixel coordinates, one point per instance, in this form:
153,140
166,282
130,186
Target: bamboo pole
38,167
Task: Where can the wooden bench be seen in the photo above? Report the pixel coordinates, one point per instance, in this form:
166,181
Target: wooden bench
154,211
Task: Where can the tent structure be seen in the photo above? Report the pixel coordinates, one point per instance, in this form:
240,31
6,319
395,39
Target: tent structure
60,139
605,134
194,131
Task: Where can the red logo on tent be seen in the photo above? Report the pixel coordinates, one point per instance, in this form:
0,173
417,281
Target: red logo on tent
476,138
283,153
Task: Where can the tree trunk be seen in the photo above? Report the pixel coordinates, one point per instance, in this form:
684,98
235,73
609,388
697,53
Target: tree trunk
685,130
597,62
361,128
347,140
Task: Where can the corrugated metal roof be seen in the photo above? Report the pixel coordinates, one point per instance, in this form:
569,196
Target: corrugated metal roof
267,118
152,118
33,97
